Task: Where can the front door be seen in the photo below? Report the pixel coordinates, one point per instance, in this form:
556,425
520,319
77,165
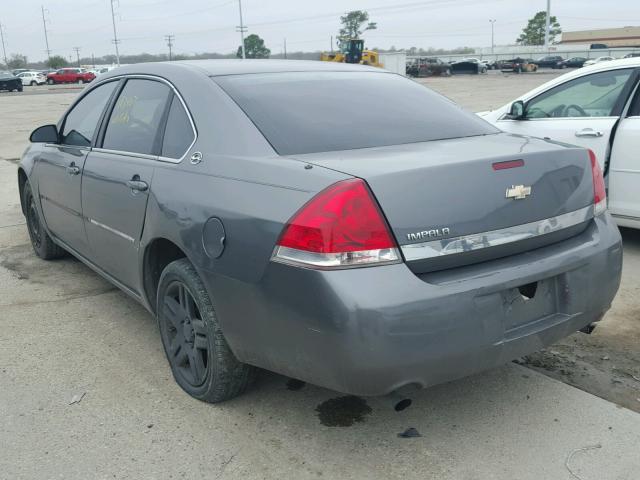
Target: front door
582,111
60,167
117,178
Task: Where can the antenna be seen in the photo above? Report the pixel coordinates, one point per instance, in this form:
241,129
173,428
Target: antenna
46,35
169,39
115,40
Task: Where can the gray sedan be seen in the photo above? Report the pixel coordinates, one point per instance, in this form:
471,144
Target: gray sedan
338,224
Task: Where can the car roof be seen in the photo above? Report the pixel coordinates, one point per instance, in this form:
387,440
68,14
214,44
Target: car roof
240,67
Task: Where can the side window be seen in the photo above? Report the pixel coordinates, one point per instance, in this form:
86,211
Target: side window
178,134
136,116
82,120
589,96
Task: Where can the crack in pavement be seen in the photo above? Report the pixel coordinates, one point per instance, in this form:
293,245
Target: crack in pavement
63,299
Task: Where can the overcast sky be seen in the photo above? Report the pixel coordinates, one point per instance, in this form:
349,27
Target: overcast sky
209,25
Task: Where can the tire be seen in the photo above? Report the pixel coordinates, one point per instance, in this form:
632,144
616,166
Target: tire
51,81
33,83
80,81
41,242
200,358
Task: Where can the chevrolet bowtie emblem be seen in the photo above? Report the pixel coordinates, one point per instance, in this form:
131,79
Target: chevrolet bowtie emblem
518,192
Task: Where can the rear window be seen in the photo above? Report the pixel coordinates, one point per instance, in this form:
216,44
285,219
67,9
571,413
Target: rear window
309,112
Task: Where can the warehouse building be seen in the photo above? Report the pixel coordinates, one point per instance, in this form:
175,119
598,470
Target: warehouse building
611,37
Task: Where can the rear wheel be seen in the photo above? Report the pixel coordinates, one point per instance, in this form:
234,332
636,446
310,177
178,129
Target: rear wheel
200,358
41,242
80,81
33,83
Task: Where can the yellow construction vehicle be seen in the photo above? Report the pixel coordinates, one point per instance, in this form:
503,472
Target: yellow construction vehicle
352,51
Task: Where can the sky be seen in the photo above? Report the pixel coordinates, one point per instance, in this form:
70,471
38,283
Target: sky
210,25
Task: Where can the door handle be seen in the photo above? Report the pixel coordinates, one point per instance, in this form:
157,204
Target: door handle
137,185
589,132
72,169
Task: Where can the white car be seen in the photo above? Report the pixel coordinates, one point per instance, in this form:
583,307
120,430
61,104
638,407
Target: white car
596,107
593,61
32,78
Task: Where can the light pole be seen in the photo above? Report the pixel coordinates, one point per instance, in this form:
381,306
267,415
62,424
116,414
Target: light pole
492,42
546,26
115,35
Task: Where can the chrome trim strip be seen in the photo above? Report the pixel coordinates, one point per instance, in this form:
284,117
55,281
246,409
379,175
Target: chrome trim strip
493,238
125,153
112,230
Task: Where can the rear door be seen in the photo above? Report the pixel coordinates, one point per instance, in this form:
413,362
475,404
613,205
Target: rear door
60,166
624,169
118,176
582,111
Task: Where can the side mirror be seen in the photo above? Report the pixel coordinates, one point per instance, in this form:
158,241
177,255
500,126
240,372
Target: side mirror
516,112
45,134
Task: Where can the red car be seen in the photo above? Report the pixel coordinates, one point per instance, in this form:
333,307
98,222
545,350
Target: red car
70,75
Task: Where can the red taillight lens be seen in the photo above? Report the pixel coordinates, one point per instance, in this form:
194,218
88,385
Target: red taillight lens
599,191
341,226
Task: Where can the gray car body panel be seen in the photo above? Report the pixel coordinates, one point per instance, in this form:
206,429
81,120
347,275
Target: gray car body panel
363,330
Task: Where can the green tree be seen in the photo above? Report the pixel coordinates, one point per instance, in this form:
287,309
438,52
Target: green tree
254,48
17,61
57,61
354,24
533,33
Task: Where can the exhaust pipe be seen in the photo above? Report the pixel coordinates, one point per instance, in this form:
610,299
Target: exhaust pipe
399,402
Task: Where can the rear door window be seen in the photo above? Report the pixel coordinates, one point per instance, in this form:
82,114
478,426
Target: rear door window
136,117
81,122
178,134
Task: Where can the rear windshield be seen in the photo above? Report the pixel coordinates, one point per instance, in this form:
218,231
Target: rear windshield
309,112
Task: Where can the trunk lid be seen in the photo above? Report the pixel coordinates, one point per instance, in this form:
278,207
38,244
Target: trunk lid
448,206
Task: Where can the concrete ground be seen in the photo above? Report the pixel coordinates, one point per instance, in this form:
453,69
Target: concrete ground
69,335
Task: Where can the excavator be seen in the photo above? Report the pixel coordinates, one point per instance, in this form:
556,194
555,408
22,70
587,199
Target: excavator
352,51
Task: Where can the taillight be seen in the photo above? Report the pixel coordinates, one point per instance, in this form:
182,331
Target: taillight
342,226
599,191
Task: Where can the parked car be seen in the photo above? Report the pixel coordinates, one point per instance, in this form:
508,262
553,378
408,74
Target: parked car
32,78
18,71
70,75
593,61
8,81
632,55
362,246
518,65
550,61
468,65
427,67
594,107
574,62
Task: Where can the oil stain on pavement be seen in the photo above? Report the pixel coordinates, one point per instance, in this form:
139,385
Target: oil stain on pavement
343,411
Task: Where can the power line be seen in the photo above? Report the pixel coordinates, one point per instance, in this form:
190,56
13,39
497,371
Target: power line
46,36
115,35
169,39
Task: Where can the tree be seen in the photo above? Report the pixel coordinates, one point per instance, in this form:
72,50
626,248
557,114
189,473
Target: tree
57,61
354,24
17,61
254,48
533,33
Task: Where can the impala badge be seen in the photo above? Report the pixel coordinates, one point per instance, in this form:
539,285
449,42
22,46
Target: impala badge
518,192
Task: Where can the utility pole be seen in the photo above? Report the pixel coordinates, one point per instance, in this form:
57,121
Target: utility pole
285,48
169,39
241,29
546,27
93,60
115,35
77,50
4,50
46,36
331,43
492,42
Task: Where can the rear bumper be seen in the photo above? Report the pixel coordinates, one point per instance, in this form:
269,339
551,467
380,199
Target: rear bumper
369,331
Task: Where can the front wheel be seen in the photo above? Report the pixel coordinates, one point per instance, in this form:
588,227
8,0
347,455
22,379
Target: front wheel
200,358
50,81
33,83
80,81
41,242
